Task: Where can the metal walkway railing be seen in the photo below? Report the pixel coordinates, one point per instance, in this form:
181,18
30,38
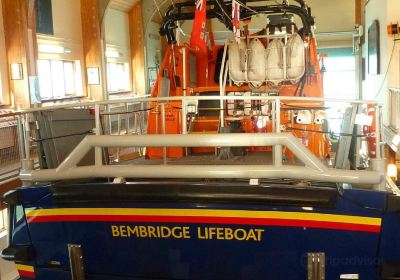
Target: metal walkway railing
120,125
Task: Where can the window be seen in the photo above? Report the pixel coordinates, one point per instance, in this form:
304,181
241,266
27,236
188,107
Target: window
3,219
340,77
59,79
118,77
339,83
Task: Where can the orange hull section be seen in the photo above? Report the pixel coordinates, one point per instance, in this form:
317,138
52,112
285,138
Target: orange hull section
311,135
173,125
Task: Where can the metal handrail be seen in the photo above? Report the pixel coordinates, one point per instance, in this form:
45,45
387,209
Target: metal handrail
200,98
85,104
314,169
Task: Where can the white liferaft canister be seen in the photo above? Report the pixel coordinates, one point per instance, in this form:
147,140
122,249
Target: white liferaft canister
256,63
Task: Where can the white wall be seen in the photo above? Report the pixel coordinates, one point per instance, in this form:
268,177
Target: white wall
152,37
153,44
3,61
331,16
67,32
375,10
376,86
152,27
394,71
7,269
117,34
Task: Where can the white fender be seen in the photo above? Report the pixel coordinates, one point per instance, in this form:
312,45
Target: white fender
262,121
237,61
256,64
319,117
274,63
303,117
296,57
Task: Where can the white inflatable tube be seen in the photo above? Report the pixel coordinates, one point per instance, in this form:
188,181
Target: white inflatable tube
296,61
256,64
274,61
237,61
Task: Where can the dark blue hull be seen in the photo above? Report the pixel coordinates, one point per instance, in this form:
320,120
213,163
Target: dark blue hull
176,231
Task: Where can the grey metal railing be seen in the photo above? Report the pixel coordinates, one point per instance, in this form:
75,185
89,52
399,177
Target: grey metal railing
111,118
313,169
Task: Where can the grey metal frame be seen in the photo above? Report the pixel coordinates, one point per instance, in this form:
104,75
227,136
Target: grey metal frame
314,169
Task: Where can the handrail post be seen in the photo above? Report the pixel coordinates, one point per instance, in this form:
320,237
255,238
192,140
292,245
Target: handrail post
379,163
277,154
27,137
119,133
21,143
163,131
378,132
184,89
27,163
127,121
222,85
98,150
184,117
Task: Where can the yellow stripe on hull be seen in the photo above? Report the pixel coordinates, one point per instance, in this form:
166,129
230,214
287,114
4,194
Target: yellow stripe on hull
208,213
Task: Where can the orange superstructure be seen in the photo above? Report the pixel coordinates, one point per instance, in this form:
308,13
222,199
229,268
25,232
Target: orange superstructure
189,71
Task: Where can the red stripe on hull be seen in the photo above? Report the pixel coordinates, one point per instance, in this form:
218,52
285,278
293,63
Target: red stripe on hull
27,274
207,220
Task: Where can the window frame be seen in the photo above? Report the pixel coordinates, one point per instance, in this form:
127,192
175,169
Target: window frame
126,67
3,220
76,75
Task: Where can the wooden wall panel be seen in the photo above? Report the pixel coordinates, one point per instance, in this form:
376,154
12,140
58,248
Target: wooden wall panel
6,187
136,31
358,15
92,48
20,39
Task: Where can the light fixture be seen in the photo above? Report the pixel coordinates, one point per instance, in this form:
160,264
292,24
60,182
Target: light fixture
392,171
17,71
46,48
112,54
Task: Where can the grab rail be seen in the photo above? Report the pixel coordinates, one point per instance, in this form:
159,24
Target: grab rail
313,168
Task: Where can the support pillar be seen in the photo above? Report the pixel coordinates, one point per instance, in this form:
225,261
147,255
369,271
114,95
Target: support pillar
21,48
92,45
